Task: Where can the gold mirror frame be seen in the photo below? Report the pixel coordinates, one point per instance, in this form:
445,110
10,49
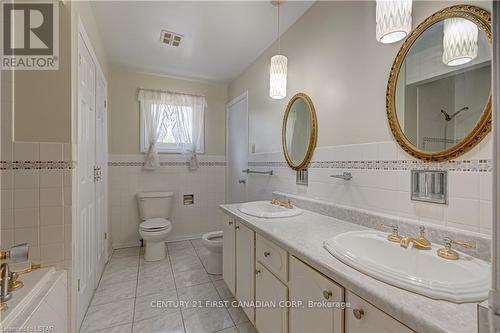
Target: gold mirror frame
312,137
482,19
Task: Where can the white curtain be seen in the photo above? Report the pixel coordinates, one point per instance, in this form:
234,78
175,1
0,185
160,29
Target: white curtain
184,113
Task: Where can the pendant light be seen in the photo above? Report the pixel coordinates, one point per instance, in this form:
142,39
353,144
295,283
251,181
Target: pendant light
393,19
459,41
278,69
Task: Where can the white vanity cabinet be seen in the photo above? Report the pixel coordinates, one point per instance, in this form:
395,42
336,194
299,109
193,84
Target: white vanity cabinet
245,267
229,254
269,290
362,317
307,285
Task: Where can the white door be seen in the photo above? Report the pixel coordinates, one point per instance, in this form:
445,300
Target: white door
306,285
245,268
85,233
269,289
228,254
101,155
237,148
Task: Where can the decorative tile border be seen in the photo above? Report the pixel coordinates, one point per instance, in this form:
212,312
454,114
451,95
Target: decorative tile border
460,165
37,165
167,164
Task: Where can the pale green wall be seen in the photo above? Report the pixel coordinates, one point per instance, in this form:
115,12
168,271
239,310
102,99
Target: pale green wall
124,115
333,56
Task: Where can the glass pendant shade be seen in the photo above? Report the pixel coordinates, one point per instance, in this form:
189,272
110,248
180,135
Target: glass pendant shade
459,41
393,20
277,77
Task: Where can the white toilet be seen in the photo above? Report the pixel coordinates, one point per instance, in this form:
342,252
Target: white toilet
213,242
154,211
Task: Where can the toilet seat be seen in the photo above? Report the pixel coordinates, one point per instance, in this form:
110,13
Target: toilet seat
213,237
155,224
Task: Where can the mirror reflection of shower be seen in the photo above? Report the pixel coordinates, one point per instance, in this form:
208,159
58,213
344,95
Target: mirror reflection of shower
448,118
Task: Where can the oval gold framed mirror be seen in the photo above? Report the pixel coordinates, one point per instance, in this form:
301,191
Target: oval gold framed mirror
438,95
299,131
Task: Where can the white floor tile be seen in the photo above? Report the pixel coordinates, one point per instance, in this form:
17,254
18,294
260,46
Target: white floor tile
108,315
170,323
206,320
155,305
127,252
191,278
198,295
114,292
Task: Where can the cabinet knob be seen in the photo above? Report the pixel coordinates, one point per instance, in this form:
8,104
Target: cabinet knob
358,313
327,294
237,227
257,271
230,222
267,254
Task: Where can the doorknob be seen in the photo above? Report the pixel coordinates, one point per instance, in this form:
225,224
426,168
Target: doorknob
242,181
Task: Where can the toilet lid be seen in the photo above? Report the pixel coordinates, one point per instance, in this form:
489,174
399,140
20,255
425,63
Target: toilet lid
156,223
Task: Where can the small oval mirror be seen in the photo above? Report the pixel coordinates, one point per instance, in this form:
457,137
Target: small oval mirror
299,131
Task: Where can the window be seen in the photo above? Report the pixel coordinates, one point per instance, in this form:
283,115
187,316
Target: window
176,129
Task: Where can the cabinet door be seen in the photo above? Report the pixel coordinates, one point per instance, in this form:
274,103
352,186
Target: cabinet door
362,317
245,268
269,289
229,255
307,285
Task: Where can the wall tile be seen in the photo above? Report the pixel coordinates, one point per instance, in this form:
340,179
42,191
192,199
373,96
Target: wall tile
26,151
51,151
7,199
7,219
52,253
486,186
463,211
51,216
51,178
26,179
26,218
7,179
485,215
26,198
26,235
51,234
51,197
7,238
464,184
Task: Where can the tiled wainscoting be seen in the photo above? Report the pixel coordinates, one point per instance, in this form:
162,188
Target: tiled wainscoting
127,178
381,182
36,200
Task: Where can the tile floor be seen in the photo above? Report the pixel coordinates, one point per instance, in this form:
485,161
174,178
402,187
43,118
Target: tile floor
125,300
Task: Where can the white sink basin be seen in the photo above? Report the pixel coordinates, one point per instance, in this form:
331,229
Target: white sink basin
264,209
420,271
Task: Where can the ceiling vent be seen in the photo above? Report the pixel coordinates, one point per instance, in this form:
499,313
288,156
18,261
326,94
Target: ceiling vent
171,38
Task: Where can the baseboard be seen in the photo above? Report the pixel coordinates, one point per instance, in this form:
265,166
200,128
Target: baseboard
125,245
184,238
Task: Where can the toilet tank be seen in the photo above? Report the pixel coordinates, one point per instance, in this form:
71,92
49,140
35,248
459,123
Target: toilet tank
155,204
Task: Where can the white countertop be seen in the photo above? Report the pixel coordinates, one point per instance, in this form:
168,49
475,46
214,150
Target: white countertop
303,237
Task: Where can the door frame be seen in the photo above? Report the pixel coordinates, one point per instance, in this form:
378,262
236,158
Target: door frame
229,104
81,32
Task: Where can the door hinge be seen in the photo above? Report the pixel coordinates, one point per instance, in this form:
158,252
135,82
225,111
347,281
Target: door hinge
97,173
105,103
105,235
78,285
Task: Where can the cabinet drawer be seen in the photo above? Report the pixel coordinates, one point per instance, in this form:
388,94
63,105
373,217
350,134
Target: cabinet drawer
362,317
273,257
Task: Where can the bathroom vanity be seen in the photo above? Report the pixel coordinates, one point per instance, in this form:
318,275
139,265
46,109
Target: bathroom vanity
279,263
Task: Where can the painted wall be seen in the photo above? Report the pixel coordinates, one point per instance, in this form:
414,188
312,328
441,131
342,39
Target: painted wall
127,177
124,115
334,58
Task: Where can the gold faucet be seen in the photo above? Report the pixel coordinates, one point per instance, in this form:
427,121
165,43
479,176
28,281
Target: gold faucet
448,253
394,236
282,203
420,243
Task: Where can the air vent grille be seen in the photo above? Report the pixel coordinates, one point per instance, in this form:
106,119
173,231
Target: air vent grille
171,38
